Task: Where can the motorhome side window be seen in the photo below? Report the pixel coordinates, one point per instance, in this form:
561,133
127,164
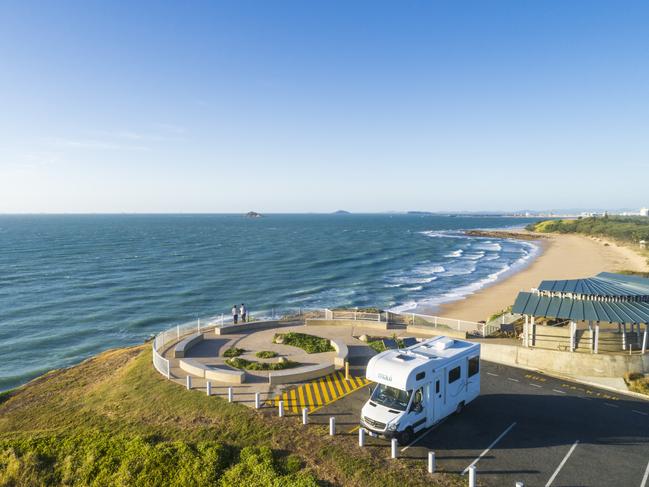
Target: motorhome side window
420,375
474,366
453,375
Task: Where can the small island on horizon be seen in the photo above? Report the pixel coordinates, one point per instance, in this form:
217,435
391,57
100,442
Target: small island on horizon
341,212
253,214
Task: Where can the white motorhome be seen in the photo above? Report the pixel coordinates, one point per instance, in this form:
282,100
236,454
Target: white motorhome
419,386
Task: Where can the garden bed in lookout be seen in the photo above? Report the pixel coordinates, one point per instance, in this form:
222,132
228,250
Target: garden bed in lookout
308,343
242,363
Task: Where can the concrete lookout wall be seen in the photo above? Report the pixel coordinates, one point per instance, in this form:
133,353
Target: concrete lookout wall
568,363
439,331
379,325
251,326
300,374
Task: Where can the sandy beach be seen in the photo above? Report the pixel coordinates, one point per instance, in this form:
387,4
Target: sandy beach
562,257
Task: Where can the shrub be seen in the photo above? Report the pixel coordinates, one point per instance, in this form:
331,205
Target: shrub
377,346
637,382
308,343
266,354
233,352
241,363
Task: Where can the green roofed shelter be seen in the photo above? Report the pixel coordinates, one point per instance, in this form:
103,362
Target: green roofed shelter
610,298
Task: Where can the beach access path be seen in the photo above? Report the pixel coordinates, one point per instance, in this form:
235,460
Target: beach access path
562,257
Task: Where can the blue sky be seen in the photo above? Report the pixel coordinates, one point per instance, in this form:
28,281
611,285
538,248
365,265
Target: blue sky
283,106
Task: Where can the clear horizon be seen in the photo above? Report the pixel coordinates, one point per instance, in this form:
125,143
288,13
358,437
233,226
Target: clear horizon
276,107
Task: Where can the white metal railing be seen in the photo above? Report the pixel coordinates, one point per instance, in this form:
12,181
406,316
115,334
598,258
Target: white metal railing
171,335
416,319
353,315
175,333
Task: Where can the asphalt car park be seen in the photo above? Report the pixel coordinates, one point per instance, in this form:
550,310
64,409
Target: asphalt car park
527,427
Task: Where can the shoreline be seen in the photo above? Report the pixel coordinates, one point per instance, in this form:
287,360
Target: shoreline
560,257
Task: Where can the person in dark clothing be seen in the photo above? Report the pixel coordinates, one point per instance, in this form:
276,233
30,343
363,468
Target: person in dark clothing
244,313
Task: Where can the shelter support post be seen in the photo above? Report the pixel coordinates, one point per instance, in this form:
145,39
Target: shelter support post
644,339
532,332
624,336
525,327
573,333
597,337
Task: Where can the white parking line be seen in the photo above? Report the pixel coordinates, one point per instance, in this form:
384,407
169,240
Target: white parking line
611,405
489,447
489,373
560,392
563,462
640,412
432,428
513,380
535,385
646,476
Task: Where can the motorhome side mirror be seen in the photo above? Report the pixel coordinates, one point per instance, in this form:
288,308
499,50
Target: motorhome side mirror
370,390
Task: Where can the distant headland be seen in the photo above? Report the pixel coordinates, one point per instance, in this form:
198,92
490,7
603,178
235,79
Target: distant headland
253,214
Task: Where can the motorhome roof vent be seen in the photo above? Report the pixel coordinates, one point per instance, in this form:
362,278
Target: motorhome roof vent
404,357
443,343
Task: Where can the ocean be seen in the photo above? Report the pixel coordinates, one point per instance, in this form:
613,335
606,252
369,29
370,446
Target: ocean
74,285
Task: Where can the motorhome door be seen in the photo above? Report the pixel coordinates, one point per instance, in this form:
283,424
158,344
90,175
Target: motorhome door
436,403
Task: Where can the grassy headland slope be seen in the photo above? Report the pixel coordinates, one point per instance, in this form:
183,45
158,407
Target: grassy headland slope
113,420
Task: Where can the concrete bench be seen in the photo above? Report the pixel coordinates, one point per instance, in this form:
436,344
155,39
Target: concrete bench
183,346
229,376
300,374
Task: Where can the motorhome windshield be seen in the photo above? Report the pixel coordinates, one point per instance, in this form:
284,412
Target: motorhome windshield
391,397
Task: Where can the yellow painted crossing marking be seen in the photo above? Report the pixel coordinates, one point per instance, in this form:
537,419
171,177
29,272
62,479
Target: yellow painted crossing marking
319,393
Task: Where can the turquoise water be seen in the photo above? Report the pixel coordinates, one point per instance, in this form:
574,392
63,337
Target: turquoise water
71,286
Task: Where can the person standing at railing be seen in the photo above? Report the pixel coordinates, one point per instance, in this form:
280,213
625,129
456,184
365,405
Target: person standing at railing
244,313
235,314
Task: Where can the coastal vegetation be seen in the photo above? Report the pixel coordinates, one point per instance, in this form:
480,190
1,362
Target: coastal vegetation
266,354
378,344
233,352
242,363
308,343
637,382
626,229
114,420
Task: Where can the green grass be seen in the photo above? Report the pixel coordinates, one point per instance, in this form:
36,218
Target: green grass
113,420
242,363
308,343
233,352
266,354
